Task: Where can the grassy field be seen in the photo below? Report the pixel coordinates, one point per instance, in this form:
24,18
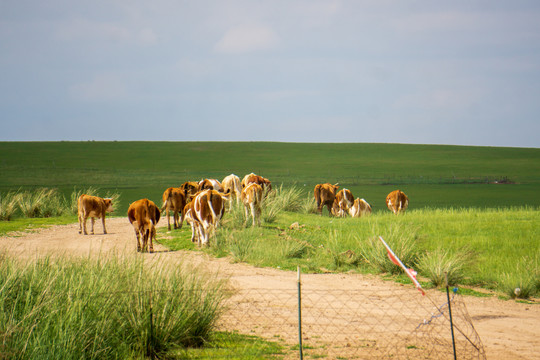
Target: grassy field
474,212
433,176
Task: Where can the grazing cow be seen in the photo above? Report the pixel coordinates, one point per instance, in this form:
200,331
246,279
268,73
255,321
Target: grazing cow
231,184
174,199
252,196
144,215
397,201
257,179
203,213
190,189
360,208
211,184
343,201
325,195
93,207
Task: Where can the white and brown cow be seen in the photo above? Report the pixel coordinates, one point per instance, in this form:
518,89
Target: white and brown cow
203,213
174,199
231,184
144,215
212,184
92,207
343,201
325,194
397,201
360,208
252,197
257,179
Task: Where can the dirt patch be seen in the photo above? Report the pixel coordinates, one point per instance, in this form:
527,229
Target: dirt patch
508,330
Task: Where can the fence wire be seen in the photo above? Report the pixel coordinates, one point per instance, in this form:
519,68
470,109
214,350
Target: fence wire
355,324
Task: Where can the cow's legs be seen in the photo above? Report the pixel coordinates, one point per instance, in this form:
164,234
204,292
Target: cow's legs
138,235
253,212
168,220
175,214
181,219
152,235
80,224
103,222
84,225
93,220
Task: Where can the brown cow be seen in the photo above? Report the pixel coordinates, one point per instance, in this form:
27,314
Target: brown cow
203,213
190,189
231,184
325,195
144,215
174,199
252,196
397,201
343,201
93,207
360,208
257,179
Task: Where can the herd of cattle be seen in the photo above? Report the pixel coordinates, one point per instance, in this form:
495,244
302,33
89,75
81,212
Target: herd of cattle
202,205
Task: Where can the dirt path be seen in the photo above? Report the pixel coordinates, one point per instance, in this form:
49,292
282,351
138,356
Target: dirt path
508,330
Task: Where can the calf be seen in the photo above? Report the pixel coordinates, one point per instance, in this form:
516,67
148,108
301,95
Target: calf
144,215
257,179
203,213
174,199
93,207
252,196
360,208
231,184
397,201
325,195
343,201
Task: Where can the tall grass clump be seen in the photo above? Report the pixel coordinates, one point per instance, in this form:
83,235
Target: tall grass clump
41,202
308,205
8,205
401,239
440,264
281,199
103,309
522,280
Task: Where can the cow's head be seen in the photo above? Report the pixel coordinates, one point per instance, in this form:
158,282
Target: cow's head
108,205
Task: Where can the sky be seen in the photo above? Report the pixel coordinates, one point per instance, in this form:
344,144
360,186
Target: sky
404,71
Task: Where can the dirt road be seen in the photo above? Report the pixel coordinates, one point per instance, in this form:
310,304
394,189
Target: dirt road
507,329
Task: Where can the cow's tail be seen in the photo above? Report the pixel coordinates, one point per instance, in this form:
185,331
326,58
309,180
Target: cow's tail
209,199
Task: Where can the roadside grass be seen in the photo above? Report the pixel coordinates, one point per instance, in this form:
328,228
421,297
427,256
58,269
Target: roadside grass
19,225
495,249
62,308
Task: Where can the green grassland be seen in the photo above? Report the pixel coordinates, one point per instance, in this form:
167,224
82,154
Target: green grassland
433,176
474,212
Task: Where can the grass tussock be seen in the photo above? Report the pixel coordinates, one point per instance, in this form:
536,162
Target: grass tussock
401,240
441,264
8,205
104,309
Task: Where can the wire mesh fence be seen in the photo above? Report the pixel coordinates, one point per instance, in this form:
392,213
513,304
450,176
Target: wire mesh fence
355,324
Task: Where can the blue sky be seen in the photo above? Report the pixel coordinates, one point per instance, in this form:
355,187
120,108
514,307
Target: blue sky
430,72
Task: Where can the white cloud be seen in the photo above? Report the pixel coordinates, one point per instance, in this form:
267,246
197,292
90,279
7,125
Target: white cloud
247,38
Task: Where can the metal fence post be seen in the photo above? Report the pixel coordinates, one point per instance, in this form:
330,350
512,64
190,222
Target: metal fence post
300,315
450,314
